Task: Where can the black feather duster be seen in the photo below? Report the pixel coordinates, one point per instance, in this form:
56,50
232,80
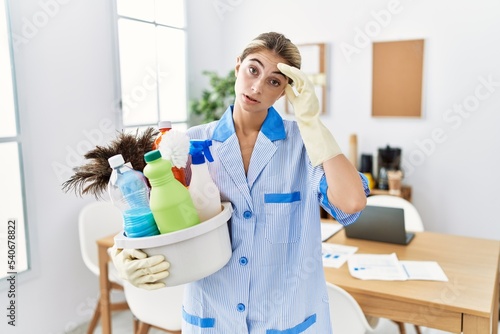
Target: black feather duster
93,177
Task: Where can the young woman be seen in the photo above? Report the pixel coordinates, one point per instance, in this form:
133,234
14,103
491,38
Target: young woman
277,174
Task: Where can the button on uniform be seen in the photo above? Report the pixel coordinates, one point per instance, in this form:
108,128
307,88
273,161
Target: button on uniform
243,261
247,214
240,307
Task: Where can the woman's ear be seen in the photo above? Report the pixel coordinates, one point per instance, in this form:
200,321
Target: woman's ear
237,67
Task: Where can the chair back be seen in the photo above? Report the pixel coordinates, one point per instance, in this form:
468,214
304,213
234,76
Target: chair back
160,308
345,313
96,220
413,221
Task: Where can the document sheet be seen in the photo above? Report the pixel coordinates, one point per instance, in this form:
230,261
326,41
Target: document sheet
335,255
329,229
388,267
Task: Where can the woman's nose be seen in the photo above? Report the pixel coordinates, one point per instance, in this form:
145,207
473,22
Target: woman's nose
257,85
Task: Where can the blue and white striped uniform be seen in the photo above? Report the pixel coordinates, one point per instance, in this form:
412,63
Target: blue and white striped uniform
274,282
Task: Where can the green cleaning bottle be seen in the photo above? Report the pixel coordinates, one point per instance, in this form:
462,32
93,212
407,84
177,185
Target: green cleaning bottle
169,200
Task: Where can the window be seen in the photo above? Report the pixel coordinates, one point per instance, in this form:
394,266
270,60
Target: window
152,58
12,212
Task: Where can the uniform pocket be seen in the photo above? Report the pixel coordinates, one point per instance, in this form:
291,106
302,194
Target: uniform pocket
282,227
197,321
300,328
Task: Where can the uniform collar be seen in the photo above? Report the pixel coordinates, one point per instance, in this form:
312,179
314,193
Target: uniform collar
273,127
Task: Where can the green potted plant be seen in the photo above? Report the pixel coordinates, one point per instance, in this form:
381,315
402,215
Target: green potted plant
214,101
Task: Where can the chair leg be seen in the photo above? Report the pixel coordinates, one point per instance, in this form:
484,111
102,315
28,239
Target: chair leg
401,326
95,319
135,325
417,329
143,328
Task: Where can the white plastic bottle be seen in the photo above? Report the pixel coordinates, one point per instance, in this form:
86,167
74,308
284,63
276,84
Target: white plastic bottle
203,190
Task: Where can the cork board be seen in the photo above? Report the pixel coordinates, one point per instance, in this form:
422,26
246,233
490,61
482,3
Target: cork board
397,78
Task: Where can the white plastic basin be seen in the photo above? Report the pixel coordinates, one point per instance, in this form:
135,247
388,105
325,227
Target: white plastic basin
194,253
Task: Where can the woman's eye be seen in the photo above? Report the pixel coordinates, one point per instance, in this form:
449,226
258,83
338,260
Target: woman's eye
252,70
275,83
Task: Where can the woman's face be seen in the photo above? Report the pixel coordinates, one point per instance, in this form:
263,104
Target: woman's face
259,82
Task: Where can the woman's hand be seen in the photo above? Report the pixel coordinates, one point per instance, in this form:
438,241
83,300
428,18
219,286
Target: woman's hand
319,142
140,270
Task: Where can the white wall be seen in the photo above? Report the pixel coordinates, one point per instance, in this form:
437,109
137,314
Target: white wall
453,181
204,44
66,88
65,74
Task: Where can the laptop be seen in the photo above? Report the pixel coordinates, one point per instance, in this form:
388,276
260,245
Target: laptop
379,223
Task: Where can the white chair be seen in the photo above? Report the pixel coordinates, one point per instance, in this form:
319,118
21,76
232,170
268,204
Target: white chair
160,309
345,313
97,220
413,223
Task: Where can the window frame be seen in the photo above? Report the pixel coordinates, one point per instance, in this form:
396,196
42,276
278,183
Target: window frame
118,105
17,139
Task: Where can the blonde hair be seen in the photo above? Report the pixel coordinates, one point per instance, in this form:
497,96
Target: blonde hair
277,43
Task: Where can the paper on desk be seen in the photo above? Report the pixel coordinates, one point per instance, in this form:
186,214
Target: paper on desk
388,267
335,255
424,270
329,229
376,267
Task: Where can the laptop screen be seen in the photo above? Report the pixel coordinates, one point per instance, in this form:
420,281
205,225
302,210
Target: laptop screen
378,223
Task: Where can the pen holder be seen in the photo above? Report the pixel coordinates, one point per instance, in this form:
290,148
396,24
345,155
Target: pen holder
194,252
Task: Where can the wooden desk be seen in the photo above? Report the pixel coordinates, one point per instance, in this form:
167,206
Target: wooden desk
467,303
104,284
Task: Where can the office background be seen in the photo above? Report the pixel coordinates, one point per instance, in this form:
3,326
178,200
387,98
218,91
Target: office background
67,85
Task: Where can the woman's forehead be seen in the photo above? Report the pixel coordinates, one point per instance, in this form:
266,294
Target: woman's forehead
265,58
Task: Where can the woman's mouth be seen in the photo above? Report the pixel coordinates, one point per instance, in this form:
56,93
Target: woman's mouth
250,99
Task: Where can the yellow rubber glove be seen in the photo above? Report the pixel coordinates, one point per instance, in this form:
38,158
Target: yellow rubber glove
319,142
140,270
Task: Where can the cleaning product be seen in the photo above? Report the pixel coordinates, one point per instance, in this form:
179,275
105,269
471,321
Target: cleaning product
163,127
170,201
204,192
169,141
128,190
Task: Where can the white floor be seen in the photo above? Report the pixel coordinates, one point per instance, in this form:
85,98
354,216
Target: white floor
122,324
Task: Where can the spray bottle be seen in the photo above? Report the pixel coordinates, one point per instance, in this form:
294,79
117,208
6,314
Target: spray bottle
204,192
